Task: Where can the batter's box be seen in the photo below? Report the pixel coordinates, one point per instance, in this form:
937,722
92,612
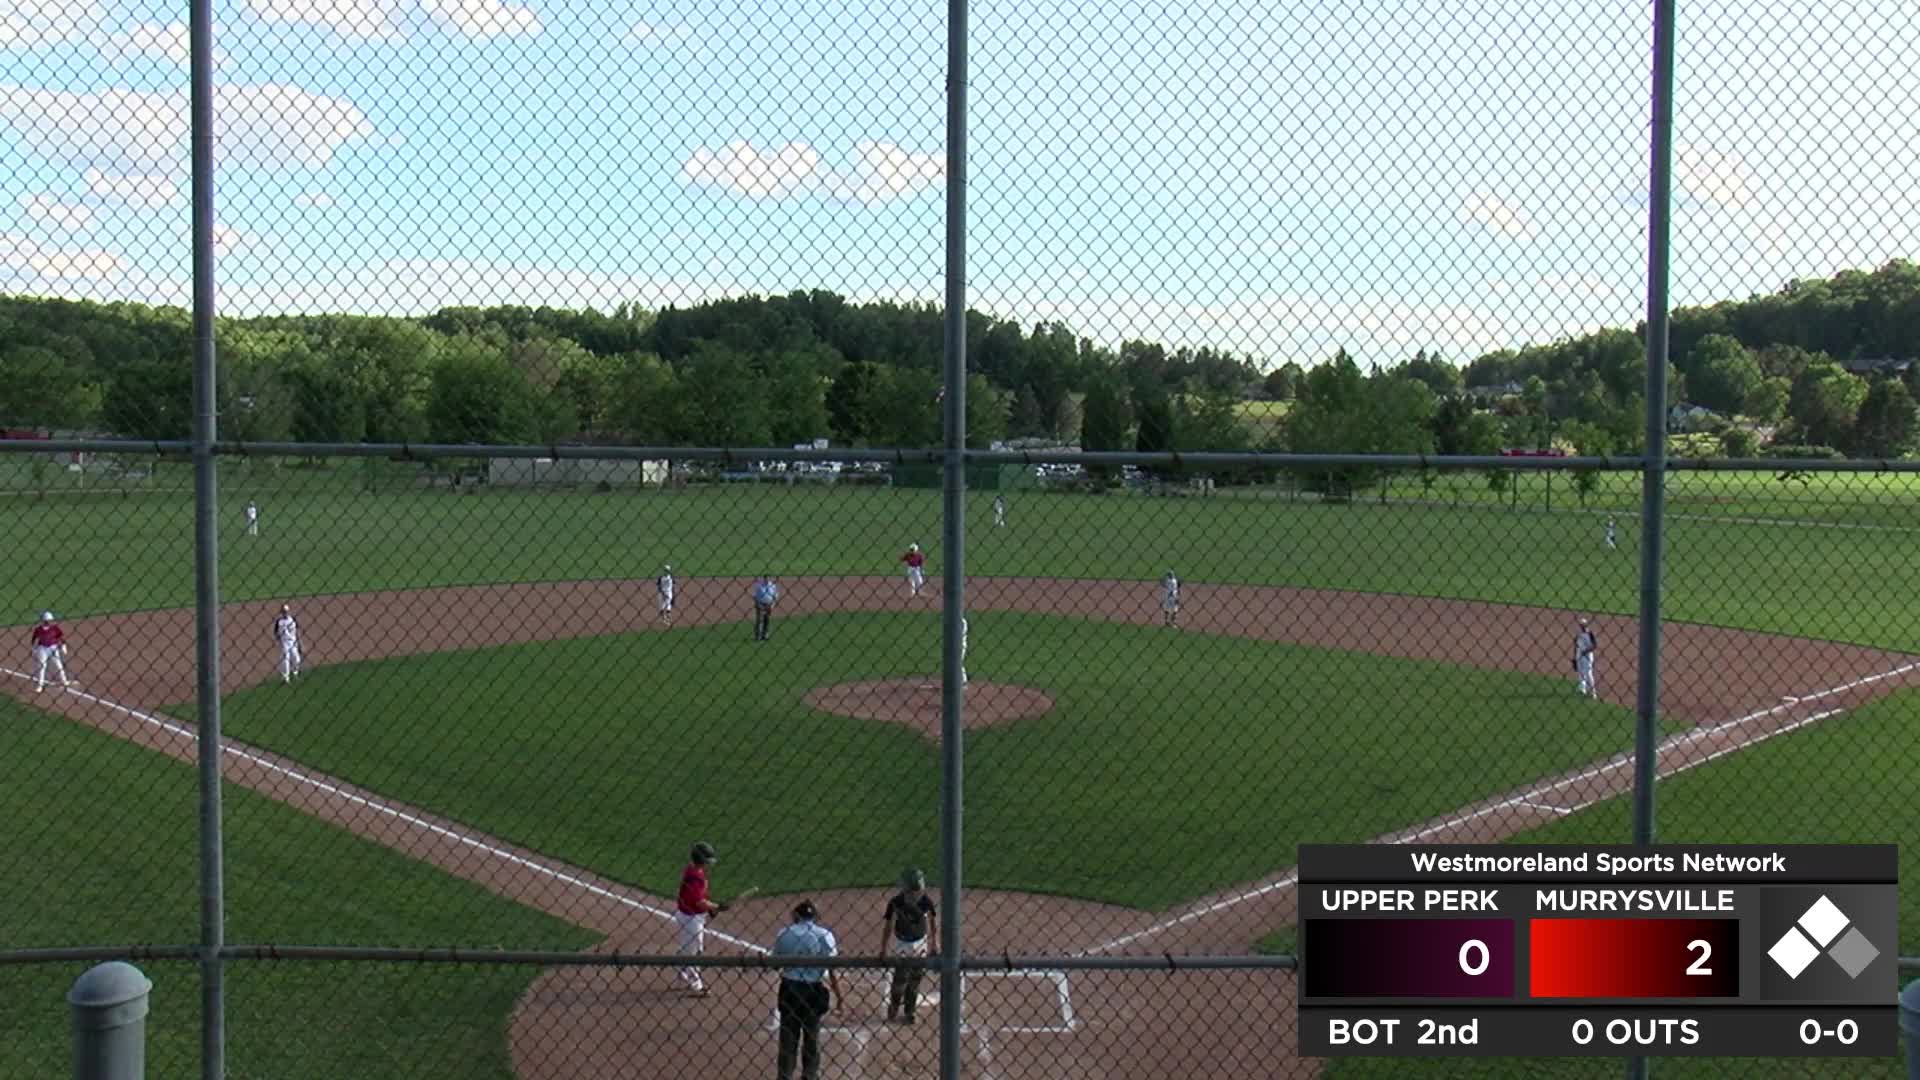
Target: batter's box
1009,1002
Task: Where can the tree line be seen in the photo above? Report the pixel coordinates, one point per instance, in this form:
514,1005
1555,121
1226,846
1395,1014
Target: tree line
779,370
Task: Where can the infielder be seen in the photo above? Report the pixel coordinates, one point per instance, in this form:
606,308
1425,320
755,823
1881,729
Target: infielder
999,511
286,631
49,647
692,910
912,925
664,583
1613,534
1170,599
916,564
253,518
1584,644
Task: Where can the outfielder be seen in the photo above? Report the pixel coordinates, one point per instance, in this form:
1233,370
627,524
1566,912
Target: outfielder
49,647
1613,534
253,518
664,583
916,563
286,631
999,511
1584,644
692,910
1170,599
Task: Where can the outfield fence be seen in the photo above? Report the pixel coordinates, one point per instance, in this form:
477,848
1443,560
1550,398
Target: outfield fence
450,842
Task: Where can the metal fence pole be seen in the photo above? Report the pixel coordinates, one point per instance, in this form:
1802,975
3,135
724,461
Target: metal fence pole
207,552
953,538
1910,1025
108,1003
1654,479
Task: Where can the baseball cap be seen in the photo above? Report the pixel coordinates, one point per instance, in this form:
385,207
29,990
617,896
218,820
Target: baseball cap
46,616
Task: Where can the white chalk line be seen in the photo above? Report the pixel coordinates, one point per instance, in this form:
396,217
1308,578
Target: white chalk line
878,982
1528,796
465,839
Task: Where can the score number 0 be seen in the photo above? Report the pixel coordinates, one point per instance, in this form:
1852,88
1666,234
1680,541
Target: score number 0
1475,945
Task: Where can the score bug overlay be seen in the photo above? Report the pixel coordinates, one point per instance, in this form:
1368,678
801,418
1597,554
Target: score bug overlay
1736,950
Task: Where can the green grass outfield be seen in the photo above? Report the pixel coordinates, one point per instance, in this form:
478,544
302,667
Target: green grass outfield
1173,763
103,554
101,849
1841,781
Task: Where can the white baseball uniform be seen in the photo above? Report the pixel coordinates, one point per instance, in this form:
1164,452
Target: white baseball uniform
1584,644
665,584
287,632
963,652
999,512
1612,534
253,520
1170,594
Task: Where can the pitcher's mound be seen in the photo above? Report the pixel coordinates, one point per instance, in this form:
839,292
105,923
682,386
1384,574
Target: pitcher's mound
915,703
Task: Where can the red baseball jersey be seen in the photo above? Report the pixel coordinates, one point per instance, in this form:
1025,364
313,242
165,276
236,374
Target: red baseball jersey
49,634
693,889
914,558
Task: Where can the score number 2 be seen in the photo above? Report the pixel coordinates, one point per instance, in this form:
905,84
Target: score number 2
1699,966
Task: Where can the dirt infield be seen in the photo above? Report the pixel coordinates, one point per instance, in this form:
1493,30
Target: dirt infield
915,703
1740,687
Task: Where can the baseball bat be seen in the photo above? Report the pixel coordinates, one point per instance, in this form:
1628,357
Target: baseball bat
746,894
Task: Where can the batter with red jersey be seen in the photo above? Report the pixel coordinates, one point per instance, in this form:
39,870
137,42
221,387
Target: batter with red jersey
49,647
692,910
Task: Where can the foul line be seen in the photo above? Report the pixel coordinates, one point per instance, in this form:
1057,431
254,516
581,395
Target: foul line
1526,797
467,839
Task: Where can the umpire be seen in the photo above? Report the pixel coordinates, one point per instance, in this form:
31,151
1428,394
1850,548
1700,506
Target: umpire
765,592
804,996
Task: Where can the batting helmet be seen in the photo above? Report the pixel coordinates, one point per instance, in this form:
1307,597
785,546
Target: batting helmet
703,853
912,879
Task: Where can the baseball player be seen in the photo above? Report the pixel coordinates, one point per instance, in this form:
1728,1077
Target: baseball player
286,631
692,910
1170,599
1613,534
999,511
664,583
253,518
963,650
1584,644
49,647
913,924
916,564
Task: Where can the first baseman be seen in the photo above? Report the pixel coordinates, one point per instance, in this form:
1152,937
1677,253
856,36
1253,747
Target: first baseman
49,647
1584,644
1170,599
692,910
916,563
664,583
286,631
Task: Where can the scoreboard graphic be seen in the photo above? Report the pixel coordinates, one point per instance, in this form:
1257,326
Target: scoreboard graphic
1558,951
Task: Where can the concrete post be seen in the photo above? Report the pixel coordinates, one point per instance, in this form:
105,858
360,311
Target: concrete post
109,1005
1910,1024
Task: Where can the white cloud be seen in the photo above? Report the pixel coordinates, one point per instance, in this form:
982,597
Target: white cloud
23,256
360,19
130,132
51,210
740,168
485,18
1497,215
880,171
149,191
656,34
314,200
1711,176
171,43
27,24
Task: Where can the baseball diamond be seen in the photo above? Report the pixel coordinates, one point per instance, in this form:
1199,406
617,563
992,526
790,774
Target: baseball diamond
1730,686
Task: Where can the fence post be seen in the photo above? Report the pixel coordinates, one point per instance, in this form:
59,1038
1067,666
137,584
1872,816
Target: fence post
1910,1025
109,1007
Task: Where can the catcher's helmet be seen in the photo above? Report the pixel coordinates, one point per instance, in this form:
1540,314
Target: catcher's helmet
912,879
703,853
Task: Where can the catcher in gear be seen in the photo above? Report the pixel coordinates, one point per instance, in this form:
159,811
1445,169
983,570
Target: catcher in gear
912,923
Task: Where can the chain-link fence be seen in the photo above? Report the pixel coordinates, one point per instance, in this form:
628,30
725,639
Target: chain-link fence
1300,358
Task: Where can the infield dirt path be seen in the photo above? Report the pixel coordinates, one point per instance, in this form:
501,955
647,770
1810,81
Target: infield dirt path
600,1022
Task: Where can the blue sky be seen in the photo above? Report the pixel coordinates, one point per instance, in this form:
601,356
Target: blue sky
1385,176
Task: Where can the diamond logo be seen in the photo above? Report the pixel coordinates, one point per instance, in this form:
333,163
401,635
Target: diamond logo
1821,925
